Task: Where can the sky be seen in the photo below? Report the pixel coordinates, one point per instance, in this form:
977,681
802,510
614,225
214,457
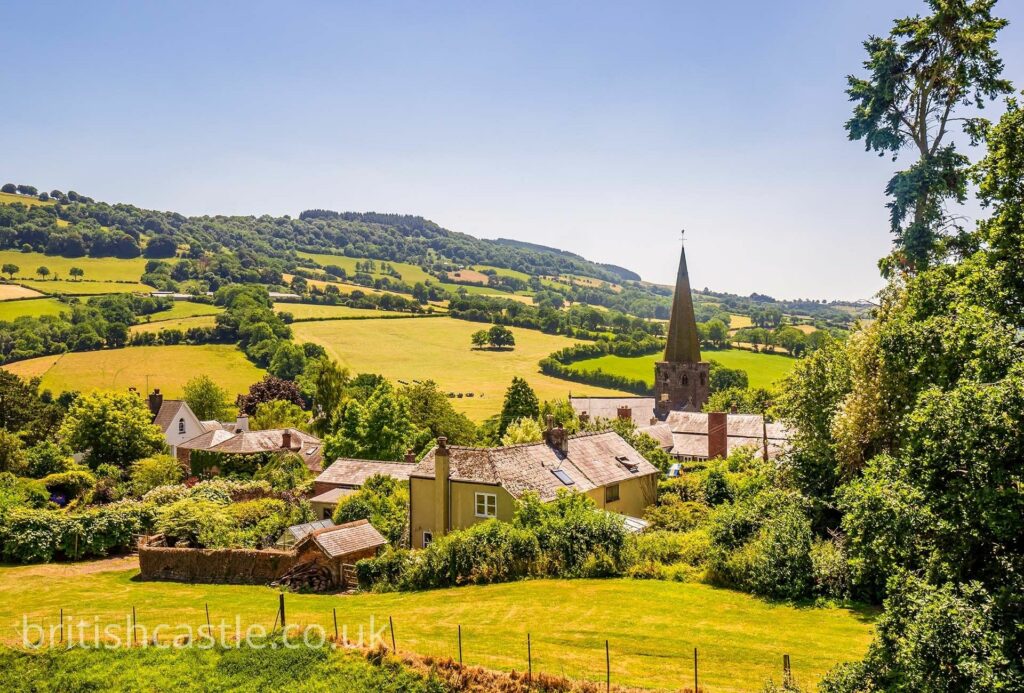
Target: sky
600,128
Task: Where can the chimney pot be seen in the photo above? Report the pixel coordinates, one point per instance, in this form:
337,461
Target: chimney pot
718,435
410,457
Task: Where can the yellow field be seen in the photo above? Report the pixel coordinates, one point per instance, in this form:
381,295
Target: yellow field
9,291
175,324
306,311
102,269
27,200
806,329
165,367
737,322
86,288
11,310
439,349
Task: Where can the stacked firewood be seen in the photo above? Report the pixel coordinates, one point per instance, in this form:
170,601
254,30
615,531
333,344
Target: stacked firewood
310,576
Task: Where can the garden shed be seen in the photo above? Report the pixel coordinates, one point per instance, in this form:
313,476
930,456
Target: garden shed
332,552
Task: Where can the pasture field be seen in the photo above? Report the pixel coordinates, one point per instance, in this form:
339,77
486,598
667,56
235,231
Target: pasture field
310,311
652,626
86,287
12,291
737,322
36,307
27,200
439,349
185,309
182,324
763,369
97,269
167,367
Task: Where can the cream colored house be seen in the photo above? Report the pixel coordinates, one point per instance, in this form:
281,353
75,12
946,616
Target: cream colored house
478,484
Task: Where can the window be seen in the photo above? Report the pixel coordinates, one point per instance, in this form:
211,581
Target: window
327,513
486,505
428,539
611,493
181,425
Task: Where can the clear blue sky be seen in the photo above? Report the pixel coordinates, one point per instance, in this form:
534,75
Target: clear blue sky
599,128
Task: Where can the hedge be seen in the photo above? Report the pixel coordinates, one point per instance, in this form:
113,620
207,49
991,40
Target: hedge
35,536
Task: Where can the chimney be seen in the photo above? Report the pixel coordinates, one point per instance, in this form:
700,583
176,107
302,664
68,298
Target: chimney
286,439
242,423
624,412
562,439
718,435
654,420
442,489
549,429
156,400
410,457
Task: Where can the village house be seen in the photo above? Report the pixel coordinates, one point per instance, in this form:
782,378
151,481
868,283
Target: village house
179,423
455,487
345,476
270,441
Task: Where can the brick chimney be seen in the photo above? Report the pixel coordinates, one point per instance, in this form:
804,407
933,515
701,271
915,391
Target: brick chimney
549,429
156,400
654,420
286,439
442,488
624,412
410,457
242,423
718,435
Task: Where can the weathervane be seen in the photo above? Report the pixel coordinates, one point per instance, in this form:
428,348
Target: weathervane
682,235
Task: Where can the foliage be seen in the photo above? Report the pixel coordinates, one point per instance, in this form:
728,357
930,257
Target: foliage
151,472
267,390
278,413
522,431
379,430
383,501
111,428
207,400
285,473
47,457
195,523
520,403
12,453
32,536
434,414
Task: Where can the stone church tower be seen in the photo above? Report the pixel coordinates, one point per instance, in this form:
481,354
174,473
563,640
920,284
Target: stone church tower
681,380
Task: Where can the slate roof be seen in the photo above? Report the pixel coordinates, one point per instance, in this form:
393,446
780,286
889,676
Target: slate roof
352,472
685,434
252,442
593,460
345,539
167,413
641,408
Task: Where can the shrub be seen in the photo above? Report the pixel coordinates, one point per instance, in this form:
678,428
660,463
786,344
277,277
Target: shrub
830,568
385,572
776,561
18,492
165,495
687,487
198,523
47,457
30,536
676,515
381,500
490,551
160,470
71,484
669,547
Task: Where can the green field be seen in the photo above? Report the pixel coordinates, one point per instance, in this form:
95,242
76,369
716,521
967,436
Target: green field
102,269
309,311
651,626
184,309
439,349
762,369
165,367
182,324
86,287
36,307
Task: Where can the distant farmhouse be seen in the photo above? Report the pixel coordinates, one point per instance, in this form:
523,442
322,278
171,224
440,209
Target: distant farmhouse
673,416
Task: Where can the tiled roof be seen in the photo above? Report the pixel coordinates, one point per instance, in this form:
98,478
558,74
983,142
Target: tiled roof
252,442
641,408
206,441
168,410
686,433
353,472
739,425
348,538
593,460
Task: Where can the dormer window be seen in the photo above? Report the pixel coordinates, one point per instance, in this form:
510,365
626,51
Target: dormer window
181,425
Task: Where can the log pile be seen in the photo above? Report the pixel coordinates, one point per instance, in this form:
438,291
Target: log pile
309,576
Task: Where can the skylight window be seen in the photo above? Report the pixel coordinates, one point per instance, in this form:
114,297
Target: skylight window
563,477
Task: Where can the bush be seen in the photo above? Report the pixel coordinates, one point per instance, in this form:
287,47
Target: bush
151,472
69,485
32,536
381,500
165,495
196,523
830,568
46,457
676,515
385,572
18,492
775,562
490,551
669,547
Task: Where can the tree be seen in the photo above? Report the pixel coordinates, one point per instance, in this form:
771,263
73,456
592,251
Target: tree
111,428
43,271
717,332
161,247
384,502
207,400
288,362
9,188
279,414
480,339
431,410
270,388
379,430
520,403
522,431
77,272
500,336
918,78
22,409
9,268
328,388
12,454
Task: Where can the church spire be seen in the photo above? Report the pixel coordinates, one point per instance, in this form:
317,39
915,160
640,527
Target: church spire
683,343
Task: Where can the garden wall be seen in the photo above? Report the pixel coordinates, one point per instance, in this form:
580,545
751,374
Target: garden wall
235,566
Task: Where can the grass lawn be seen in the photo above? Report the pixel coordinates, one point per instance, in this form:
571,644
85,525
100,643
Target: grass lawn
762,369
12,291
167,367
652,626
103,269
36,307
175,324
307,311
439,349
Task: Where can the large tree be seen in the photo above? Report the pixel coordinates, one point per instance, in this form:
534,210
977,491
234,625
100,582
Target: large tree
920,77
206,399
111,428
520,403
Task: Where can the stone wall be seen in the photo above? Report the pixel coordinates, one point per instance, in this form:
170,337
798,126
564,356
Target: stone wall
234,566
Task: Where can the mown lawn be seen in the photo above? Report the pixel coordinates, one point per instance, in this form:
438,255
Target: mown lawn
651,626
439,349
762,369
167,367
36,307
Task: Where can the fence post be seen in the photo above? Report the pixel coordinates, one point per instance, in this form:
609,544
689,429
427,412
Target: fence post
134,638
391,623
282,611
695,688
62,625
460,644
529,661
786,673
208,626
607,668
335,610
